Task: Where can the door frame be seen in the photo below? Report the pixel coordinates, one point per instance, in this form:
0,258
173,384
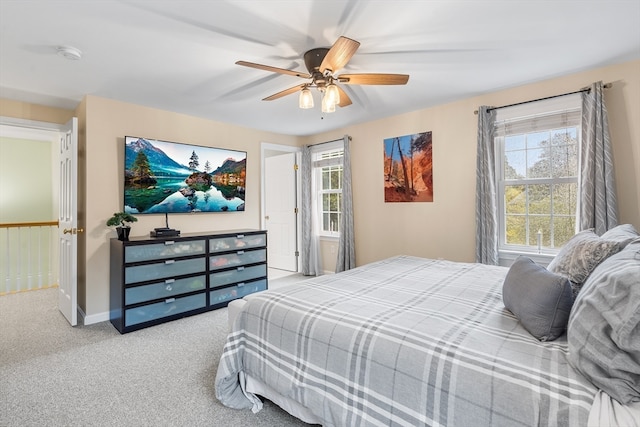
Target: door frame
268,149
38,130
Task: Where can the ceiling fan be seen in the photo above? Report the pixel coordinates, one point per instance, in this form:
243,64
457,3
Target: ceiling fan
322,64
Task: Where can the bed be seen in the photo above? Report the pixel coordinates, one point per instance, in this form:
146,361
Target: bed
410,341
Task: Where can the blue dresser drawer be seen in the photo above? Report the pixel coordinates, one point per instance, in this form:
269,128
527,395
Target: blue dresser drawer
237,242
218,296
167,269
170,307
238,274
167,289
217,262
164,250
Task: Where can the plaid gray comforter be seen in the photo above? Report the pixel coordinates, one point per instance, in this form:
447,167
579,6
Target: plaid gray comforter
404,341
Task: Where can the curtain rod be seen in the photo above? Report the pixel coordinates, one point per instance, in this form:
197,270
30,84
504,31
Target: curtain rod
328,142
584,89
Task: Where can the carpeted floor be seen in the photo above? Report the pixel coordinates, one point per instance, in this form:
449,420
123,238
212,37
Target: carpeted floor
54,375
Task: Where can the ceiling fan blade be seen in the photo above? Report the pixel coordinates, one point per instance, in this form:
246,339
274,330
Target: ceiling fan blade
374,79
344,98
339,54
273,69
284,92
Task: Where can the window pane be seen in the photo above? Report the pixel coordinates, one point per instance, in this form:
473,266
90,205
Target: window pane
542,224
565,198
539,199
333,202
514,142
335,178
325,202
325,178
563,229
564,136
325,222
538,163
333,219
515,167
516,233
537,140
515,198
565,160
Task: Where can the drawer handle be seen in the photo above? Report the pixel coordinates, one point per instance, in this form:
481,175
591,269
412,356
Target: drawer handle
169,281
240,268
240,252
169,242
240,284
169,300
169,261
240,236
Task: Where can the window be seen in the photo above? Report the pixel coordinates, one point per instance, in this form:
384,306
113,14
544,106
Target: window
328,168
537,173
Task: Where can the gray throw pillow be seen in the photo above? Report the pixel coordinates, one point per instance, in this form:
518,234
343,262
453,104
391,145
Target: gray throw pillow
604,326
539,299
623,233
580,255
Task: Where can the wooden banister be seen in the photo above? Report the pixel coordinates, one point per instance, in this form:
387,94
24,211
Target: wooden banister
28,224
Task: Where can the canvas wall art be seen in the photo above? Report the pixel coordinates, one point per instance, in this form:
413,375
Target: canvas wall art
408,168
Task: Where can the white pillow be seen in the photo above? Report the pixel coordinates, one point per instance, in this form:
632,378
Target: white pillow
623,233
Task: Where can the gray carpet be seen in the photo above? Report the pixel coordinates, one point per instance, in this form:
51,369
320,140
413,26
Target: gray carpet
54,375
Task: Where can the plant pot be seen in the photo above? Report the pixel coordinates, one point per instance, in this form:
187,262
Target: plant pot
123,233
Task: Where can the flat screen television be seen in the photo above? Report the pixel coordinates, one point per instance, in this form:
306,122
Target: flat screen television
171,177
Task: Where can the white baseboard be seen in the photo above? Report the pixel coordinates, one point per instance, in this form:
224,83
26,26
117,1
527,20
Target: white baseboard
94,318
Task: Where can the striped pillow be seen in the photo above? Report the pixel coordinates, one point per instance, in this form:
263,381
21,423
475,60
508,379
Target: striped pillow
604,326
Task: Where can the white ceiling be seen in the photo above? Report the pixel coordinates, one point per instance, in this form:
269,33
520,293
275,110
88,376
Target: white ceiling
179,55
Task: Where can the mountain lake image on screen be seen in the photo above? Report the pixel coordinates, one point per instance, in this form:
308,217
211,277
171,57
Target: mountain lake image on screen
171,177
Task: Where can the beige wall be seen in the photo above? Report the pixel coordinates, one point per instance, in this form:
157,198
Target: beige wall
442,229
446,227
26,111
107,123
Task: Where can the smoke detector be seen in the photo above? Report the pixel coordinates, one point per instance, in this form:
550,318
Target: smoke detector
70,52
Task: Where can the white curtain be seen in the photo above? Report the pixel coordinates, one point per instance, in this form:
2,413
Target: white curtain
310,257
346,246
598,207
486,203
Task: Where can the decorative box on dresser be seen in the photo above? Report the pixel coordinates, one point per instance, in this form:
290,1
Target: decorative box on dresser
156,280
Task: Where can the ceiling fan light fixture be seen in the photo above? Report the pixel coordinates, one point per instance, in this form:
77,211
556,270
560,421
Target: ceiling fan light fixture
306,99
327,105
321,64
333,93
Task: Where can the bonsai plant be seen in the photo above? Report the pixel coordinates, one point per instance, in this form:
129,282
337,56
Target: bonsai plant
120,220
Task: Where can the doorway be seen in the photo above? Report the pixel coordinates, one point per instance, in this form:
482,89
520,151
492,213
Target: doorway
29,208
30,263
279,207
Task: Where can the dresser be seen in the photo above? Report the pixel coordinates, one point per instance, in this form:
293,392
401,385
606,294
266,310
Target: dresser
156,280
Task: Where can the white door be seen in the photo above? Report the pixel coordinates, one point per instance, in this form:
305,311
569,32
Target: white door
68,223
280,211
